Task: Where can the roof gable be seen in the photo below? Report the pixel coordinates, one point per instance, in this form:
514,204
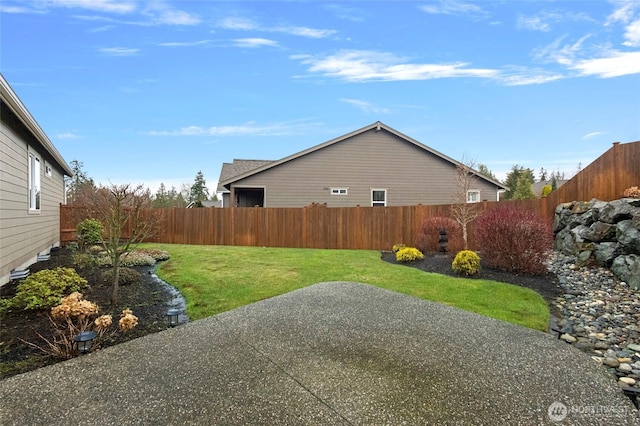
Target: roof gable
378,126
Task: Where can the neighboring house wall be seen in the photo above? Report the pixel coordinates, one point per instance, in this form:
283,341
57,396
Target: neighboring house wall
374,159
25,231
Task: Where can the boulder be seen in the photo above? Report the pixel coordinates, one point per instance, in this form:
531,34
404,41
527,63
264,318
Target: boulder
615,211
605,252
628,237
579,233
600,231
627,268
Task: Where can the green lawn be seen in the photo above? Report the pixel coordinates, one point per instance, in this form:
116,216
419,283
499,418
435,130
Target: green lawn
215,279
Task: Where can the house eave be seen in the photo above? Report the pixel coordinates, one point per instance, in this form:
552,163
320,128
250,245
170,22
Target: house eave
15,104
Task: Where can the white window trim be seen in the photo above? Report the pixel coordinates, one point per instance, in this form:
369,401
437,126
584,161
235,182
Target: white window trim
339,191
48,171
378,203
34,182
473,191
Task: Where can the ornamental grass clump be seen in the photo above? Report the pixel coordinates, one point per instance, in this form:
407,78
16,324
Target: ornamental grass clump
74,315
409,254
466,263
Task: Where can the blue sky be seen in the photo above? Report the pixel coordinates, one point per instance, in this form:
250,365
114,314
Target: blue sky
154,91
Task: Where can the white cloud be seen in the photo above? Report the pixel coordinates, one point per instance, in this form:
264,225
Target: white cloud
359,65
244,24
366,106
111,6
67,135
254,42
247,129
624,12
453,7
163,14
185,43
632,34
613,64
119,51
592,135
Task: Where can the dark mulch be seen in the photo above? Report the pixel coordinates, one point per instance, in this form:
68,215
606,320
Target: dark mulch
148,301
546,285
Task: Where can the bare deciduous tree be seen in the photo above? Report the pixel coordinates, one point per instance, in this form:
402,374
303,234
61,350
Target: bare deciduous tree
463,211
124,212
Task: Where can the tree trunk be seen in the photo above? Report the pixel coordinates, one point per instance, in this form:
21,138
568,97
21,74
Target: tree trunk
464,236
116,278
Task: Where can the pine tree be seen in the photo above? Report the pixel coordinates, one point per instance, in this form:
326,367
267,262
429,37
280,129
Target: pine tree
199,191
512,182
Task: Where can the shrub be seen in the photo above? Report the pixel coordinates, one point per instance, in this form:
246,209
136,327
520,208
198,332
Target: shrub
126,276
84,260
426,239
514,240
397,247
546,190
409,254
89,232
633,192
45,288
73,315
466,263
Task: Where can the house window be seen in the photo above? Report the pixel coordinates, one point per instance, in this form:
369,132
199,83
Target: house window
339,191
378,197
473,196
34,182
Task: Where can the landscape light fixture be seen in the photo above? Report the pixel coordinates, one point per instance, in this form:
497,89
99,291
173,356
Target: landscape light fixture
172,317
84,340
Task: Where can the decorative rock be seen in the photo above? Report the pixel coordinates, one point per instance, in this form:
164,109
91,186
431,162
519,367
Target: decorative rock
611,362
628,269
597,359
627,381
628,236
625,367
633,347
568,338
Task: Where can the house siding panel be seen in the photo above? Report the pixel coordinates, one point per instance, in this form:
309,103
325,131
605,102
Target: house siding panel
373,159
23,233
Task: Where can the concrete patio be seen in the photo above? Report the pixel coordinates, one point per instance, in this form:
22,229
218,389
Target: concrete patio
332,353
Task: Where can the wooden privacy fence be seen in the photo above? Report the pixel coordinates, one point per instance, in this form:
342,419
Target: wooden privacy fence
363,227
309,227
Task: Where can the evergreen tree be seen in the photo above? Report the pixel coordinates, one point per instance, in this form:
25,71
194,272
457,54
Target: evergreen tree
161,198
80,185
543,174
482,169
199,191
523,190
512,182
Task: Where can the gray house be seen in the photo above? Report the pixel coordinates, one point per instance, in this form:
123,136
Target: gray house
372,166
31,188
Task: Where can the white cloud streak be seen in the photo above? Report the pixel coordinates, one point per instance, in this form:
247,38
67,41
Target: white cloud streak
244,24
254,42
592,135
120,51
453,7
360,66
365,106
247,129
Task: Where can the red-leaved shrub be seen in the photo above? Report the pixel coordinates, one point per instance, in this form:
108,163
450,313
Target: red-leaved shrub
426,238
514,240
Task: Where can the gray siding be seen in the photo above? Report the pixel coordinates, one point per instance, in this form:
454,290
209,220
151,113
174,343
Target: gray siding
25,234
373,159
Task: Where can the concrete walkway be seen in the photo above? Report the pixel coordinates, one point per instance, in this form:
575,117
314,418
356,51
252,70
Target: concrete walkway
333,353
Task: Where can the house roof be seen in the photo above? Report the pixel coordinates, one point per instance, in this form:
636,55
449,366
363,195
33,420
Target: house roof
237,168
11,99
228,179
